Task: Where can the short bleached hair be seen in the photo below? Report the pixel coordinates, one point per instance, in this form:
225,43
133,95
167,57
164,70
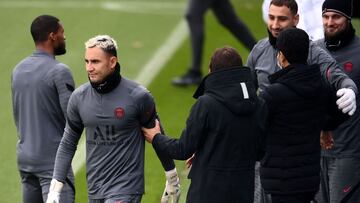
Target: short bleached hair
105,42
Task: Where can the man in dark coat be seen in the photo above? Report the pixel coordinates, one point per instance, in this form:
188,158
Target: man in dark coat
223,130
297,105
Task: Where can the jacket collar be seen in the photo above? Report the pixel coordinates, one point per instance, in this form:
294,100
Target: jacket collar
109,83
226,75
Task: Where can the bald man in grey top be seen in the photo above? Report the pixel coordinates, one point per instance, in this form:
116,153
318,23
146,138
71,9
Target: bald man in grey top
41,88
112,109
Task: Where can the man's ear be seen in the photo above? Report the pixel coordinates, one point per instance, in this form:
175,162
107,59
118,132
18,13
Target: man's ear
52,36
113,61
296,19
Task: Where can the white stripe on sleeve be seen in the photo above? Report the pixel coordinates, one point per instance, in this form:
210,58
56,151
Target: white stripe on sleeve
245,91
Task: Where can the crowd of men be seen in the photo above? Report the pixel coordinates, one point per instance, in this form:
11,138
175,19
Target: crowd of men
283,128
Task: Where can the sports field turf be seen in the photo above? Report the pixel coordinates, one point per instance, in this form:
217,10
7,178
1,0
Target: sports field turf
140,28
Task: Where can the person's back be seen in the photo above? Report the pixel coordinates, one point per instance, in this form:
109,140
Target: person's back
41,87
226,159
37,110
297,104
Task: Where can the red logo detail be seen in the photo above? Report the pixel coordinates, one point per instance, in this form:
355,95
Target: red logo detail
119,112
347,189
348,66
118,201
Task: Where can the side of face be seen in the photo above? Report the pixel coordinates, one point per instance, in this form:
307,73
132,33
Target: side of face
99,64
58,39
280,18
334,24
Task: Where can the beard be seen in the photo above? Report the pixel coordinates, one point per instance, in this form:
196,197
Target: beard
60,49
336,40
336,35
332,36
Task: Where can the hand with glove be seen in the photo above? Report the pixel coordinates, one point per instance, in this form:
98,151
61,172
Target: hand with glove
172,187
54,191
347,100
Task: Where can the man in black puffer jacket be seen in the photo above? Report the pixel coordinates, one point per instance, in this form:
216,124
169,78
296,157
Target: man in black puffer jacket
223,130
297,109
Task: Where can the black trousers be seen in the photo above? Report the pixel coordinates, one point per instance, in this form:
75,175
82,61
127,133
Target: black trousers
226,16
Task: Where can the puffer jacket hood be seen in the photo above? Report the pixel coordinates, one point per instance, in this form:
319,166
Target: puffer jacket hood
295,75
233,87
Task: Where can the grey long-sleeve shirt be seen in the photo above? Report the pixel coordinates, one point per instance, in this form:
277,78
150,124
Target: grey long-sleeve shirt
346,136
262,60
114,140
41,88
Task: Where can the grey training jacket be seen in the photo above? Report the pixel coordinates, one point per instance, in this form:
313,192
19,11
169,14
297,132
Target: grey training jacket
114,140
41,87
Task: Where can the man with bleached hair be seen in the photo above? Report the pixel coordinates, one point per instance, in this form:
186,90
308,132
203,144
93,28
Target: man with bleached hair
112,109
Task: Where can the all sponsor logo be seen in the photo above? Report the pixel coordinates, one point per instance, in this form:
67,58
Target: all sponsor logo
105,135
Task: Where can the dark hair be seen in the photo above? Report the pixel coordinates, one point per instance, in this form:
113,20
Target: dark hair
294,44
225,57
291,4
42,26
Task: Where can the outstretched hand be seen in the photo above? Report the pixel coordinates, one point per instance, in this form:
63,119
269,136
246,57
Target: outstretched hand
150,133
346,101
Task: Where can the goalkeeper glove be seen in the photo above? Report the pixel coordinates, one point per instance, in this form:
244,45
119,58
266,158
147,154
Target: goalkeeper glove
172,187
54,191
347,100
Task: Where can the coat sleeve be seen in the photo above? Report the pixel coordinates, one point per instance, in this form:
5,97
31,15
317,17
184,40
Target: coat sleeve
192,137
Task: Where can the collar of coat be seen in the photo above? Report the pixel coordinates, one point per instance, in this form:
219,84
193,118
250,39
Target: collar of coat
223,77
